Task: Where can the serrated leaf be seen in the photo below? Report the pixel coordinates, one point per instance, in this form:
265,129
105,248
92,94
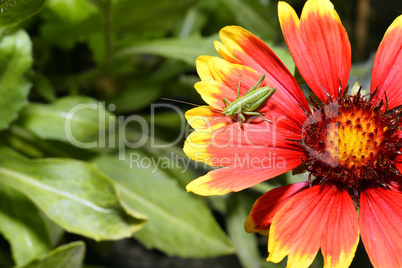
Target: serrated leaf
178,224
14,11
79,120
184,49
22,225
15,62
66,256
71,193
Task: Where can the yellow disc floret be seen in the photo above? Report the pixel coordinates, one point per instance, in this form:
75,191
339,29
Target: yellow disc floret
350,140
356,137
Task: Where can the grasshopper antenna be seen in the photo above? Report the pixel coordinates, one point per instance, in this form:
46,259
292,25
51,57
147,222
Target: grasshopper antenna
179,101
196,105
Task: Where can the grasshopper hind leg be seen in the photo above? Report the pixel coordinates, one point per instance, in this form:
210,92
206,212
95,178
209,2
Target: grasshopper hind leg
258,114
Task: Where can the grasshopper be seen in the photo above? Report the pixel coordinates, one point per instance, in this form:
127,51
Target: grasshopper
250,103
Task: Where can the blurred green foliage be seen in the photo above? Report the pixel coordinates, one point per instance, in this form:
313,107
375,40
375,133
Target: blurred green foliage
85,154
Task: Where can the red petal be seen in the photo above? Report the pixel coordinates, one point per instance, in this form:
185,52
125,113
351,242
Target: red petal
253,146
221,79
303,224
225,180
253,52
341,237
380,219
254,153
386,74
319,45
264,209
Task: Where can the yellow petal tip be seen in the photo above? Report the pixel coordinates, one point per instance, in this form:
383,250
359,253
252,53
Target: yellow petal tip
286,12
201,186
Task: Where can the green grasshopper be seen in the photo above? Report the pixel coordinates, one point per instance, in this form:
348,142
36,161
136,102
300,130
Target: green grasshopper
249,104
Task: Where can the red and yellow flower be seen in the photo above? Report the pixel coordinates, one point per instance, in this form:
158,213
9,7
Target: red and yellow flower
349,144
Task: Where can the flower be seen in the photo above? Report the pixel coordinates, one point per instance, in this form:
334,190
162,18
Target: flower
349,144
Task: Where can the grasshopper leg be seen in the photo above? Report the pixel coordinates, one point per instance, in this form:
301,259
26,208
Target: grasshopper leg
259,114
226,102
238,88
242,119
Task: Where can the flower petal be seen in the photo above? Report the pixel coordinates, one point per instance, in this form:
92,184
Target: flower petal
253,52
303,224
254,145
255,152
229,179
386,75
225,52
380,220
319,45
203,68
212,92
205,117
264,209
222,80
340,239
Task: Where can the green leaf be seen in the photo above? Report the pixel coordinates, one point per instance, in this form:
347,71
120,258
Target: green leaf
183,170
192,23
44,88
15,62
149,16
135,16
55,231
73,194
72,10
184,49
66,256
31,146
246,244
82,121
135,93
21,224
253,21
178,223
13,12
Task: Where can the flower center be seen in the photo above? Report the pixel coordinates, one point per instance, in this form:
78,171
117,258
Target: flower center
354,138
351,140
